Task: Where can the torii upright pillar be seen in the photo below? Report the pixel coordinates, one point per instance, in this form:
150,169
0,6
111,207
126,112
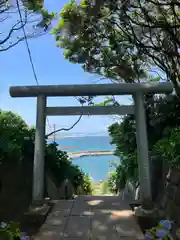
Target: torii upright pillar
39,151
142,147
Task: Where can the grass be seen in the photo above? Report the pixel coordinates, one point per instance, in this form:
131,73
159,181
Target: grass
100,188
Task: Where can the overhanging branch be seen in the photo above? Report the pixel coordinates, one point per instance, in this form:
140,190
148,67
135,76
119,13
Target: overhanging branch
65,129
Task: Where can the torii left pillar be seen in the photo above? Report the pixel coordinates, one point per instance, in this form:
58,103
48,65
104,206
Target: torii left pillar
38,169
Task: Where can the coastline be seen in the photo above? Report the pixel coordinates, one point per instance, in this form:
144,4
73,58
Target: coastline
96,165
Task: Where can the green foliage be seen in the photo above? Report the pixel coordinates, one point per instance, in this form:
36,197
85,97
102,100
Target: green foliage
169,148
46,18
17,144
123,134
161,231
87,185
108,101
34,18
13,130
117,179
105,187
163,135
123,42
62,168
58,162
11,231
112,182
96,43
124,138
33,4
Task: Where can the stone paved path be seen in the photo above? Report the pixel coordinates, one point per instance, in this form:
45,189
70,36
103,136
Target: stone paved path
90,218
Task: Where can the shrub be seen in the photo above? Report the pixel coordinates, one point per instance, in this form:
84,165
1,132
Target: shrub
168,148
87,185
11,231
161,231
112,182
105,187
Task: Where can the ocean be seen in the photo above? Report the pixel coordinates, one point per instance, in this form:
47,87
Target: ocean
97,167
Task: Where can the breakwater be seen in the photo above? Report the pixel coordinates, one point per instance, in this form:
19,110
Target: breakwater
75,155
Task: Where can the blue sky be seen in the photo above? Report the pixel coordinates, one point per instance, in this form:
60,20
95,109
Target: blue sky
51,68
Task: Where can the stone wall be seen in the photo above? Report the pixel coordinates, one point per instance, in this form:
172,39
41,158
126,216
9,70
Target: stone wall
16,189
166,195
66,190
55,191
129,192
16,182
52,189
169,196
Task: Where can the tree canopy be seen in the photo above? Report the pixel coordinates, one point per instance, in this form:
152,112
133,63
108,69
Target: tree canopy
127,40
92,42
14,15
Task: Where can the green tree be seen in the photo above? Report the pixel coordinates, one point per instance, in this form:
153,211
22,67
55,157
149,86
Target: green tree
35,19
152,27
163,136
124,138
94,43
168,148
17,145
12,132
62,168
87,186
122,40
105,187
113,184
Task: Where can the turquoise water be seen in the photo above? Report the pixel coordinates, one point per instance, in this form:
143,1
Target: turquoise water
96,166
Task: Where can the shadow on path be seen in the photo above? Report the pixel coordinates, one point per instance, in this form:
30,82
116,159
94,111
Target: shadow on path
91,218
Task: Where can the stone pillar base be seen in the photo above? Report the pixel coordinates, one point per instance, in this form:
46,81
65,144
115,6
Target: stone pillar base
151,213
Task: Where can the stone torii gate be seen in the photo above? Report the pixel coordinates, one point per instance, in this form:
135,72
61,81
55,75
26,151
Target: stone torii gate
137,90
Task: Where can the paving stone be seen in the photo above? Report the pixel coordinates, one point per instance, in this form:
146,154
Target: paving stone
127,227
102,218
81,208
105,237
103,203
113,237
55,221
91,218
50,232
110,237
102,226
75,238
54,233
130,238
62,205
81,211
116,222
60,213
84,198
78,227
